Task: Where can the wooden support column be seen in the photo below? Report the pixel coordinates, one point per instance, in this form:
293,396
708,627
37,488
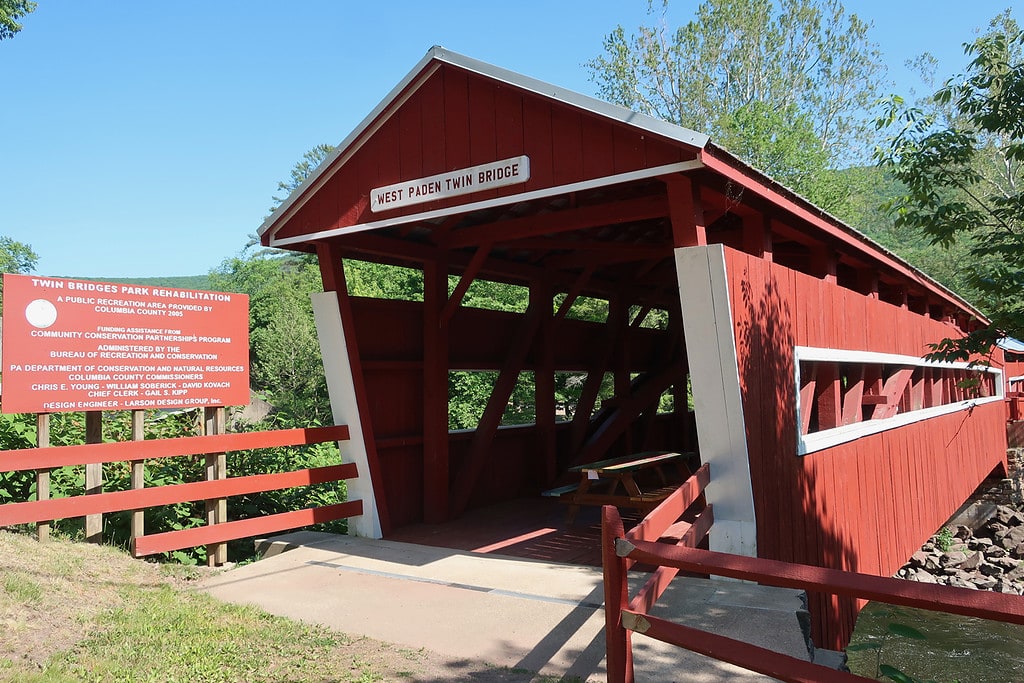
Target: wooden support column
94,475
681,389
43,476
686,212
853,404
436,475
329,261
867,282
824,262
808,391
618,315
216,468
541,296
138,529
757,235
332,272
828,395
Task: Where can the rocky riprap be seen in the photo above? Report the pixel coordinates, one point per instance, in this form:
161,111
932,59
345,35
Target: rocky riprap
983,548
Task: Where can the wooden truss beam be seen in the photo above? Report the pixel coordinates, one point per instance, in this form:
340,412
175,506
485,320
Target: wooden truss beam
468,275
630,408
483,436
590,216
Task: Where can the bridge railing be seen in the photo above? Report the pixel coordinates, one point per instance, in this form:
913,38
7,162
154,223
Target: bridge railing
45,510
625,615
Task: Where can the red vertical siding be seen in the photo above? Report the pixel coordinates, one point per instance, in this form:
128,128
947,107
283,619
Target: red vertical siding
866,505
454,120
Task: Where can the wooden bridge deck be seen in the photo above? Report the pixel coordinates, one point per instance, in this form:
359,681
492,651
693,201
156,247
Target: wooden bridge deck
534,528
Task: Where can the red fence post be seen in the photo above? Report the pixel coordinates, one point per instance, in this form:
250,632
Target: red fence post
619,660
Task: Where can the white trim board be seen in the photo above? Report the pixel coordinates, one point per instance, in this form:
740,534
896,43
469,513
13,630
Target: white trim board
680,167
810,443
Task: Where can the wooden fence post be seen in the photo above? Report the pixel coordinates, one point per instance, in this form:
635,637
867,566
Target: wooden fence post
43,476
138,474
94,475
216,468
618,646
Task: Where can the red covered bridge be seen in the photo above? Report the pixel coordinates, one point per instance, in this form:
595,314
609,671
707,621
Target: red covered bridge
831,442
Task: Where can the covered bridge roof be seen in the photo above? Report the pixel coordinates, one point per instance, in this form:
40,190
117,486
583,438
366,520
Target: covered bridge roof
575,186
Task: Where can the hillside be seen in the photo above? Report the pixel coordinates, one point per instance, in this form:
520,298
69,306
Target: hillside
176,281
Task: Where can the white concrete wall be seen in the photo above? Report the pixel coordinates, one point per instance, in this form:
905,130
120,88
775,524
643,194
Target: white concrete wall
341,388
715,379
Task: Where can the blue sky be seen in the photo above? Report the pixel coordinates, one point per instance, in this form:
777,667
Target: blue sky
147,139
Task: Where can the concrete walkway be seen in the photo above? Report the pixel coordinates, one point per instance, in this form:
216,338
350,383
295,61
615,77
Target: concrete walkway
508,612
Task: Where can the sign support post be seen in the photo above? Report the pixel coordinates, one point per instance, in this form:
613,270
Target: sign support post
216,468
138,474
94,475
43,476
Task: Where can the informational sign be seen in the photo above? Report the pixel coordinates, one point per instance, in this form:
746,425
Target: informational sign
78,345
451,184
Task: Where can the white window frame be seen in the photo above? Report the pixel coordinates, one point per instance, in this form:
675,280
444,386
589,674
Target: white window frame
827,438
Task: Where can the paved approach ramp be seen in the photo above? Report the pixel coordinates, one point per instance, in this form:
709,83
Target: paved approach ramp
516,613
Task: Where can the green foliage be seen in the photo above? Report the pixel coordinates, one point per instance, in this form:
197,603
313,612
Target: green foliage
10,12
785,83
310,160
958,155
284,352
15,257
944,539
177,281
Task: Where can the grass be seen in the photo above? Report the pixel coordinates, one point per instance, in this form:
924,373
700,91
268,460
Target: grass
80,612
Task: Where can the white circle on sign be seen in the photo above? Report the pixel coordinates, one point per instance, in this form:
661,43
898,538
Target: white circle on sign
41,313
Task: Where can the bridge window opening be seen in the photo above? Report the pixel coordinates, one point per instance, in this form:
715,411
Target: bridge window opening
383,281
653,318
492,296
469,392
584,308
843,395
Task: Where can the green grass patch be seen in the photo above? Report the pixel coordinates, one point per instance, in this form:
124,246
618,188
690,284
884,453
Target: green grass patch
22,589
166,635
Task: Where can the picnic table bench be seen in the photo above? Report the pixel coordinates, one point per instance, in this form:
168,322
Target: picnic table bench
615,482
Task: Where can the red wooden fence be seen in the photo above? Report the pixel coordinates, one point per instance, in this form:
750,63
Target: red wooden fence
116,501
620,550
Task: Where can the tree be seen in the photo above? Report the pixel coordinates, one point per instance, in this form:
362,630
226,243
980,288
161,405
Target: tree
285,353
784,84
16,257
10,12
960,161
309,162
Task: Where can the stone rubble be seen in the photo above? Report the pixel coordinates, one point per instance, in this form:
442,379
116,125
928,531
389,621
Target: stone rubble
987,552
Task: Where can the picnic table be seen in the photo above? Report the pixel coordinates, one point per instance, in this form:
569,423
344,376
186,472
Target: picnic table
620,481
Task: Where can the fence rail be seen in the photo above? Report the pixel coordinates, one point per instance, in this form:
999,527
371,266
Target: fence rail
621,550
214,490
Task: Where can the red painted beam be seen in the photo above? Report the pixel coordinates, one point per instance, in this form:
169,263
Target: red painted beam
244,528
672,508
625,211
661,577
116,501
61,456
972,603
744,655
